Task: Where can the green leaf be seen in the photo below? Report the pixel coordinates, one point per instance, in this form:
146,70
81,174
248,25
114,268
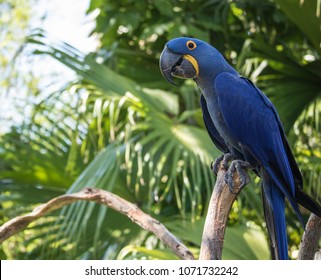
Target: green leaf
138,252
306,15
240,242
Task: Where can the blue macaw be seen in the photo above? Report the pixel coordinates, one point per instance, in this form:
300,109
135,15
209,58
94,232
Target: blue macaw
243,123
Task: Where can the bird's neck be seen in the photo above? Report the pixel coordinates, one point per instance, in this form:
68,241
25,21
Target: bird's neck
216,64
207,83
206,87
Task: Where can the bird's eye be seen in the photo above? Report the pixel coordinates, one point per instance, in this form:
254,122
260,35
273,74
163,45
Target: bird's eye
191,45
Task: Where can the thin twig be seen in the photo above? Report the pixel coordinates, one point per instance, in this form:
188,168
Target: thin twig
310,239
108,199
217,214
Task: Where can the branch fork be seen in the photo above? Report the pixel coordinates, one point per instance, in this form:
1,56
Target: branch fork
219,207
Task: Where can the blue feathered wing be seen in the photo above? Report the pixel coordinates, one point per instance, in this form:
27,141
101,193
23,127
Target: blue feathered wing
252,122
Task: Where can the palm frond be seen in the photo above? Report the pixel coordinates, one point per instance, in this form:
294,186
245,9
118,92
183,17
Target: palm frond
306,15
137,145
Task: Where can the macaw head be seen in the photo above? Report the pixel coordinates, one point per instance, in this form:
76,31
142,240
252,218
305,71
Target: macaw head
191,58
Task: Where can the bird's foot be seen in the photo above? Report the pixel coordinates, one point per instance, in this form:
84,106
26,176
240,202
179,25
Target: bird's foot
239,167
224,160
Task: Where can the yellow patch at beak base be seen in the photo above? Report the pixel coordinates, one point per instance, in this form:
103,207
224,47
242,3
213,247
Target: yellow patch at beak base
193,61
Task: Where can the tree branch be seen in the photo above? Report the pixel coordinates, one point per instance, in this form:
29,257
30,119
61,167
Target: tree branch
317,255
214,228
218,210
310,239
108,199
217,214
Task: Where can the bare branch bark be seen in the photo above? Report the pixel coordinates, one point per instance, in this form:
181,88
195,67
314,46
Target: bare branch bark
108,199
217,215
214,228
317,255
310,239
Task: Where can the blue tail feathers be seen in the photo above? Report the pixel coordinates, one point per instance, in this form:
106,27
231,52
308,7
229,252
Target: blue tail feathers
274,210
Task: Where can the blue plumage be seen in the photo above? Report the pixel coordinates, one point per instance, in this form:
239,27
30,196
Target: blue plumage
241,120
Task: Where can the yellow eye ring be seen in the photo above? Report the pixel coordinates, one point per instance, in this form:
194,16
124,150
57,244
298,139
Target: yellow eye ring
191,45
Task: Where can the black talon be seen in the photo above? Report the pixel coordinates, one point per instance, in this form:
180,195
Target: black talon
216,164
212,165
224,159
238,166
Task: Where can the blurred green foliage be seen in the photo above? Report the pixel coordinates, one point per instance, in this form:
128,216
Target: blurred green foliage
126,130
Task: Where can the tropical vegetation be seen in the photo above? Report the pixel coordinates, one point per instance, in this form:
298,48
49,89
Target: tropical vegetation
119,126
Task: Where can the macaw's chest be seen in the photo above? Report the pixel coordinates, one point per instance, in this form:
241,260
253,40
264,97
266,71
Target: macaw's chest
218,120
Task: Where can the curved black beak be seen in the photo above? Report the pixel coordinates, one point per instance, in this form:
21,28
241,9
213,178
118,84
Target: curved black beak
167,61
175,65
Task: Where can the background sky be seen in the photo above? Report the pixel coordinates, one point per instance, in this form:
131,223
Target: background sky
67,21
63,20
